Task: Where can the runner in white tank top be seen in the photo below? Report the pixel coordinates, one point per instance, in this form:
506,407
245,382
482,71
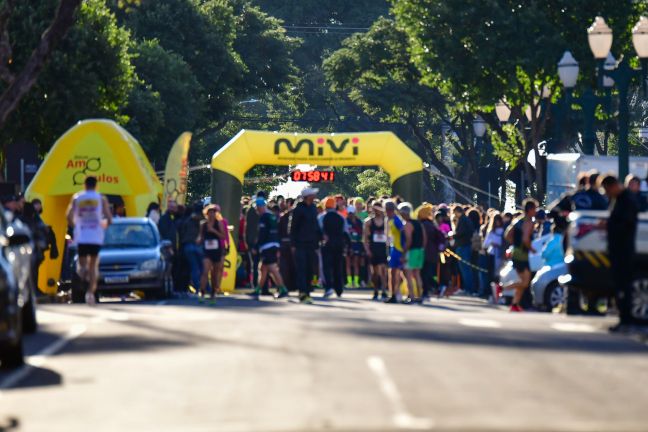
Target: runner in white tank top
89,215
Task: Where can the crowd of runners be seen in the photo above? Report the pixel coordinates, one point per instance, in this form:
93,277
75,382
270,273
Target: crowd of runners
404,254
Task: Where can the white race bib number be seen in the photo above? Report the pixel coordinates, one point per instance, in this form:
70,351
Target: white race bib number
211,244
380,238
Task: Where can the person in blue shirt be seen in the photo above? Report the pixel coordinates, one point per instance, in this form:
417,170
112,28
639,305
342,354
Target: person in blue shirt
553,252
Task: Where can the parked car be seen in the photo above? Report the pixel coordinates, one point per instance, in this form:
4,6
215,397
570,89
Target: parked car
132,258
546,293
17,290
589,265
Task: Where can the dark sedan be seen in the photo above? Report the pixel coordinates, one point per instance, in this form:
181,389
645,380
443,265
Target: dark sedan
17,293
133,258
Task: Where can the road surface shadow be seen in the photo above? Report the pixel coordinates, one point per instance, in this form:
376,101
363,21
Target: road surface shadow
9,424
124,343
39,377
508,339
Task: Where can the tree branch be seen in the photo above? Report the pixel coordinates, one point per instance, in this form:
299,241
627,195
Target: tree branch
423,143
6,52
25,80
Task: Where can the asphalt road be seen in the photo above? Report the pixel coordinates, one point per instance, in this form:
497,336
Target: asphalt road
348,364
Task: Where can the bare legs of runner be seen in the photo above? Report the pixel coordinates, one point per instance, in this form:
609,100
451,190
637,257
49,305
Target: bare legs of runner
88,271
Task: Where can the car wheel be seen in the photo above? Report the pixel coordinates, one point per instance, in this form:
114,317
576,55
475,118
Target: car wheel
166,288
554,296
77,290
11,355
639,299
29,323
573,301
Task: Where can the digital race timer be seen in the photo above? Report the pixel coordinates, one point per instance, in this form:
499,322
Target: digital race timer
313,176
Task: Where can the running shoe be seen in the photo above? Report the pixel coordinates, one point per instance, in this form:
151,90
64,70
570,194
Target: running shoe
305,299
392,300
90,299
282,293
329,292
620,328
384,296
339,292
375,297
516,308
256,293
426,300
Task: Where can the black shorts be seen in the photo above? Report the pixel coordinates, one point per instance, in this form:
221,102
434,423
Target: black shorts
378,255
269,256
521,266
85,249
214,255
357,249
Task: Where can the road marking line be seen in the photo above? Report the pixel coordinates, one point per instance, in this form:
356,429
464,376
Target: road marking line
573,327
387,318
39,359
483,323
402,418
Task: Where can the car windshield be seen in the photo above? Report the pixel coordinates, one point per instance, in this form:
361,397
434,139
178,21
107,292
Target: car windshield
132,235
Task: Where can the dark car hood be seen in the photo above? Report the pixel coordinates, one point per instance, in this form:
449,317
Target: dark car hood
134,255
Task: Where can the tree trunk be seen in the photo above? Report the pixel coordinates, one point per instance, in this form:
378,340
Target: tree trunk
26,78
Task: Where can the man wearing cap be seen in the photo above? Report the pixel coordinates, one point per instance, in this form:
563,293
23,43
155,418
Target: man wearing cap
267,248
374,238
286,259
334,233
250,234
305,235
414,248
396,251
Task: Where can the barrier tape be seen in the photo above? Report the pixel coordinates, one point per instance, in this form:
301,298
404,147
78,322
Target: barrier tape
448,252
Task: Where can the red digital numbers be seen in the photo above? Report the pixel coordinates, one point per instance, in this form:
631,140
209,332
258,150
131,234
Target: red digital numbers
313,176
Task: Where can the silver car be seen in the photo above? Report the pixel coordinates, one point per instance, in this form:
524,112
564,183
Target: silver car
132,258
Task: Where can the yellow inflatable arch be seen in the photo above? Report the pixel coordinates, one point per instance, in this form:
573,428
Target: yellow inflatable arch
249,148
100,148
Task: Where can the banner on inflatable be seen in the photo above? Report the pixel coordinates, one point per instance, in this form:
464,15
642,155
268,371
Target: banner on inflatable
176,172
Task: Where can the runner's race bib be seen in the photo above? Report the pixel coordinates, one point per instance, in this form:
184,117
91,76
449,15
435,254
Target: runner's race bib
211,244
380,238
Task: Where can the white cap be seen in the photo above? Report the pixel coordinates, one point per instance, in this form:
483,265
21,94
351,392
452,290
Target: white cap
309,191
405,207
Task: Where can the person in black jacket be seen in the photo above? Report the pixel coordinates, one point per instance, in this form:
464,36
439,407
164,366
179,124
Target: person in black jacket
463,232
334,232
267,248
305,235
621,235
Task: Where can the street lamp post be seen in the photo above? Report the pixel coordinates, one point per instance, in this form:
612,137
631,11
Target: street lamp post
568,73
503,111
479,128
600,38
